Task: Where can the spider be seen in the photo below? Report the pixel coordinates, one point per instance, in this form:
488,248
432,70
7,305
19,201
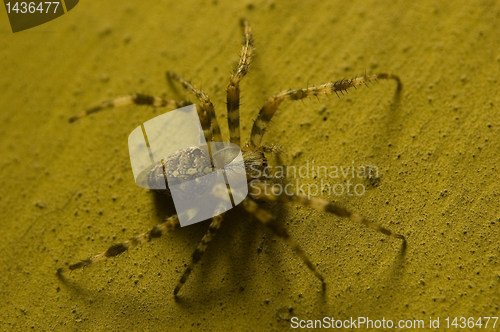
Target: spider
253,155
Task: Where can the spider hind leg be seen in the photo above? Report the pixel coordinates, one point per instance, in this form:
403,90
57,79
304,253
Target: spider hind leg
199,251
159,230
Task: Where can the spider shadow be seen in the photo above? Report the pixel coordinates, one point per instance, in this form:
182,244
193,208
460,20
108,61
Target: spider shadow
163,205
390,128
241,265
392,278
73,286
386,278
396,104
398,266
99,303
176,92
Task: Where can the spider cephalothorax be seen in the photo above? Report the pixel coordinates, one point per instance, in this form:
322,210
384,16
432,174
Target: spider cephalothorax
190,163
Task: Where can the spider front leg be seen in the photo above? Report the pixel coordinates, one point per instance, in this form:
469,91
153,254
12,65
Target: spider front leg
268,219
274,193
267,111
143,99
137,99
200,249
233,89
159,230
206,105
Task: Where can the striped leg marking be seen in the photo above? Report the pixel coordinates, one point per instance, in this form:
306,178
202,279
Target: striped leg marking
207,105
200,249
159,230
268,219
275,148
233,89
267,111
273,193
137,99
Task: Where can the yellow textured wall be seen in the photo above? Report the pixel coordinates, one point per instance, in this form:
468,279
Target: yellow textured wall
67,190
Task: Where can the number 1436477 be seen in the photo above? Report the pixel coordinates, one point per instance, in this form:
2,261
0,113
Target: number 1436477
31,7
471,322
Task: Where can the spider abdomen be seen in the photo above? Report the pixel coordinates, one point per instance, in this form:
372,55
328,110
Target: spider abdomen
185,165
